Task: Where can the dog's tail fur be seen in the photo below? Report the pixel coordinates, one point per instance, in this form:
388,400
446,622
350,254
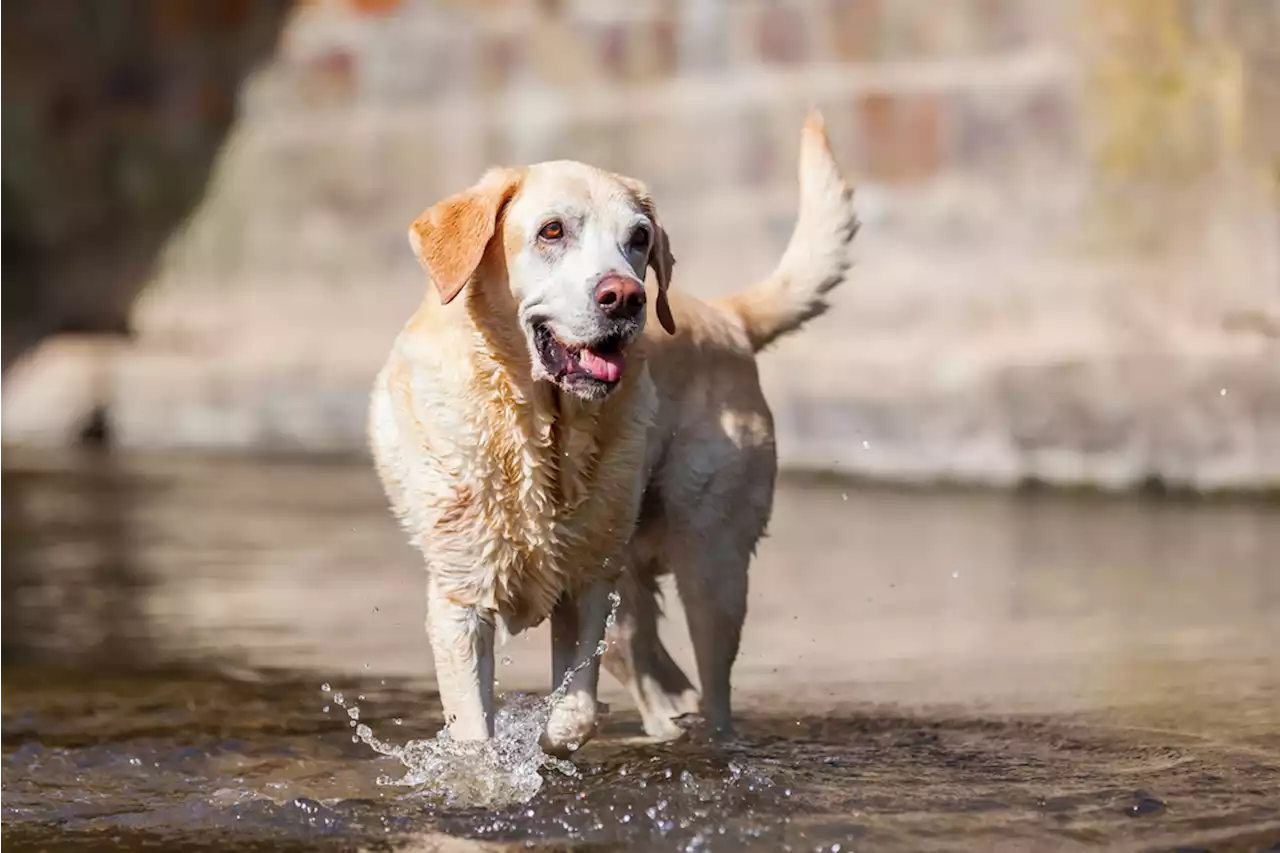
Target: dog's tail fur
819,255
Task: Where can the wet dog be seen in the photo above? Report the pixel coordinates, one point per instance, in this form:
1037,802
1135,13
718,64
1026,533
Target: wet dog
548,431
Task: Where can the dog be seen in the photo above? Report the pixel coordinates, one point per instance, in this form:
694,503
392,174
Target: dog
547,432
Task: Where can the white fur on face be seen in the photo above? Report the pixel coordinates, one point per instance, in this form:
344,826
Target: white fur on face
554,281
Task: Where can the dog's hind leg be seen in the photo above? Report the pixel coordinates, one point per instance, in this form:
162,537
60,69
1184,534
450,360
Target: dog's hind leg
712,579
638,659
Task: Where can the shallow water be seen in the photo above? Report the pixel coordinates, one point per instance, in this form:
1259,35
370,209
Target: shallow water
921,671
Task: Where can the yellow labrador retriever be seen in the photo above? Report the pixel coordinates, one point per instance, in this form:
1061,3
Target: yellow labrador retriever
547,433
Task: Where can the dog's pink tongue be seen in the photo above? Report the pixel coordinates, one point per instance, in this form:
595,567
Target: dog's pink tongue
606,368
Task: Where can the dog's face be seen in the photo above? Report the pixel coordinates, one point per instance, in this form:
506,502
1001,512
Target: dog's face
576,243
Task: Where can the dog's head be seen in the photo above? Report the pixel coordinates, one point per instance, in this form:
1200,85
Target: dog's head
574,243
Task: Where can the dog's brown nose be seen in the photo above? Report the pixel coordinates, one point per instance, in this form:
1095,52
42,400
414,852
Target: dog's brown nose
620,298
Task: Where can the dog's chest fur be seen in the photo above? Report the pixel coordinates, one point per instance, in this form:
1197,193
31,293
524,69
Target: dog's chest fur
514,495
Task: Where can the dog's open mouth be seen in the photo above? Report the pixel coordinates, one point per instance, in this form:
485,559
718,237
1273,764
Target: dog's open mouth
600,361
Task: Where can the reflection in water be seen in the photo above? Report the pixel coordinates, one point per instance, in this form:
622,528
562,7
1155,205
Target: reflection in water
921,671
71,589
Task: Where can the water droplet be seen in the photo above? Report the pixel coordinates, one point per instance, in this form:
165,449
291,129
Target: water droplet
366,666
955,575
325,709
325,687
136,762
397,721
376,609
1222,392
866,445
361,697
508,769
353,712
506,661
844,496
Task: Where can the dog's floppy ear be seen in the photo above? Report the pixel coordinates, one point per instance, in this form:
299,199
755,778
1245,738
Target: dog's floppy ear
661,260
660,257
450,238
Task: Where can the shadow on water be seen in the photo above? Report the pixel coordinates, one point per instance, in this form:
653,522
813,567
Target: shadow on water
921,672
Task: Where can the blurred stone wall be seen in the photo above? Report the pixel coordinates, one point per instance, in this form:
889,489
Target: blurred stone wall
1069,270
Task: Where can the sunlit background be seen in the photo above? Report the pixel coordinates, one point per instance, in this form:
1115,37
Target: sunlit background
1068,275
1069,270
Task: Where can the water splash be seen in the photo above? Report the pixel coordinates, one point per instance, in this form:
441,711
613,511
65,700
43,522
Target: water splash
504,770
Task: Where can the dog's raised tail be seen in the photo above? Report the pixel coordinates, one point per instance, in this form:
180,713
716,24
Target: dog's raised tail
817,258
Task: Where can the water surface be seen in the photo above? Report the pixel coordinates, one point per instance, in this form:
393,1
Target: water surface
921,671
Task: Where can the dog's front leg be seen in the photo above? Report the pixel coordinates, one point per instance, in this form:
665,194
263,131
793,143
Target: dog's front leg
577,627
462,642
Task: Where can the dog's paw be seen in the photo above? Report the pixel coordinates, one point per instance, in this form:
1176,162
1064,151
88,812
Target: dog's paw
696,727
689,722
571,724
662,712
663,729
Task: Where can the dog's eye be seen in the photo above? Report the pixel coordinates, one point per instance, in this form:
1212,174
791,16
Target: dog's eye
640,239
553,230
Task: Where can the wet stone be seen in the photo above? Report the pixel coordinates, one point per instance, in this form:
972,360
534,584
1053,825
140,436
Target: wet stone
1144,804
